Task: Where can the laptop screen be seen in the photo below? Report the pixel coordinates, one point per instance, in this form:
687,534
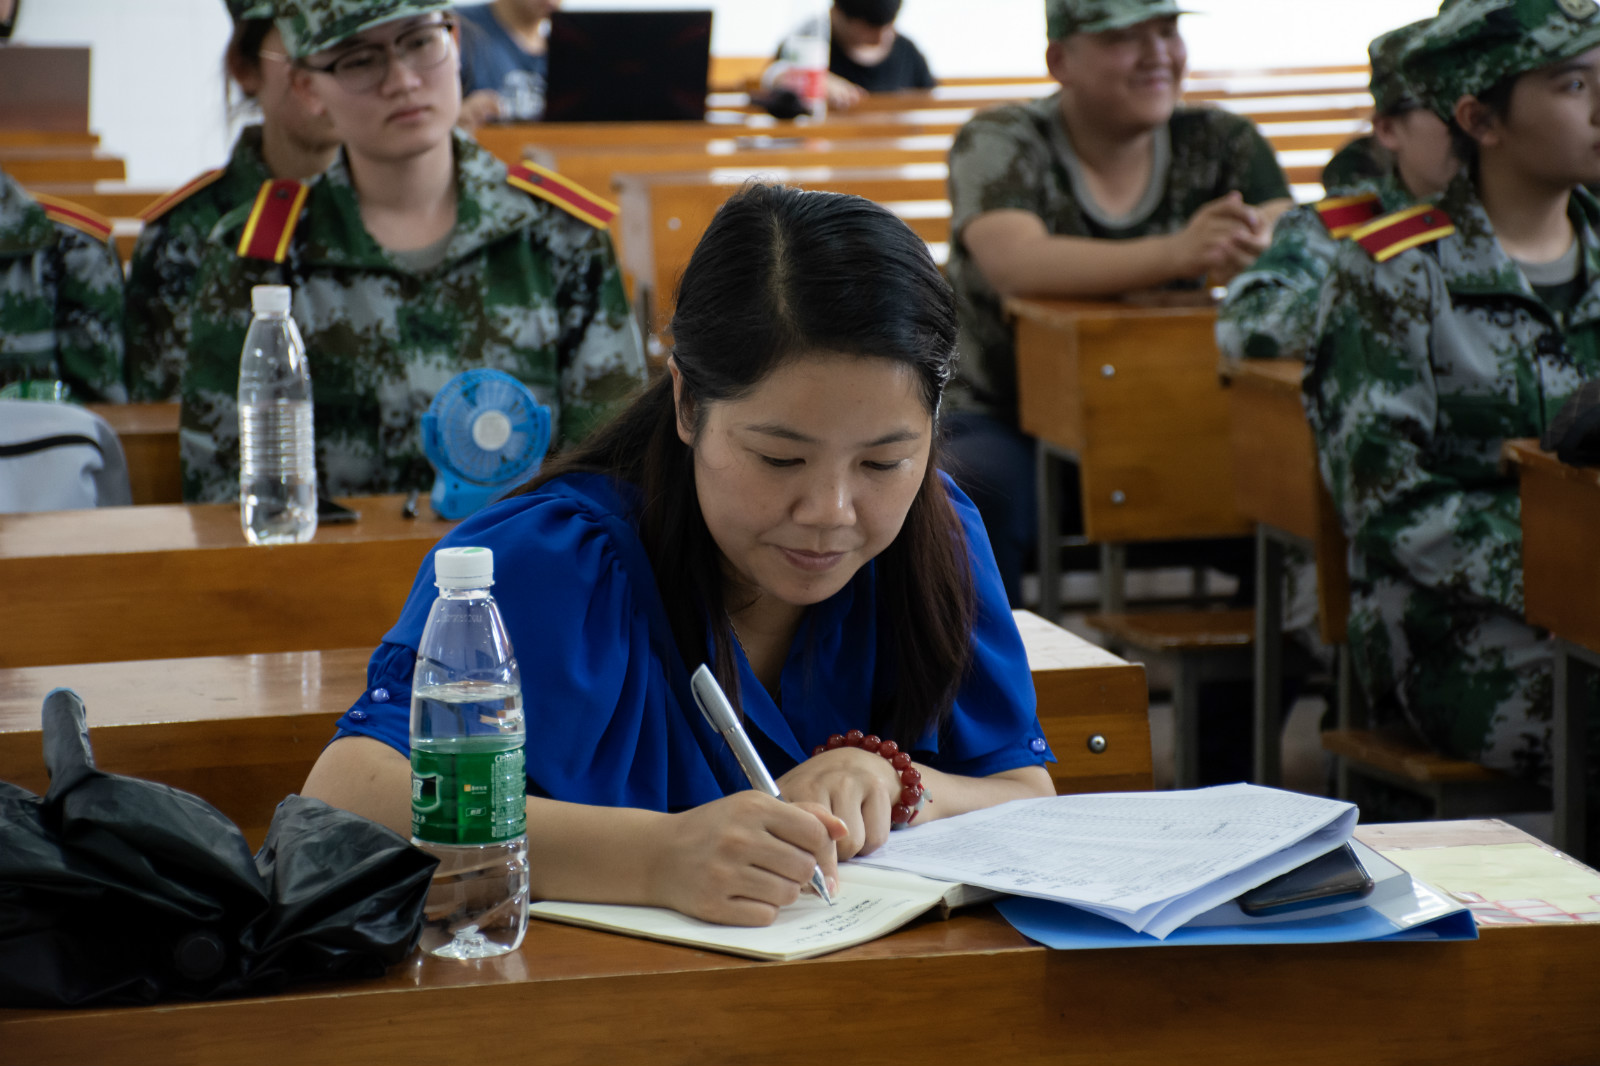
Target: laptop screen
628,66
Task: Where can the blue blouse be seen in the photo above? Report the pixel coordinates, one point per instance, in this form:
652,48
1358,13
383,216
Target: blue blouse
610,718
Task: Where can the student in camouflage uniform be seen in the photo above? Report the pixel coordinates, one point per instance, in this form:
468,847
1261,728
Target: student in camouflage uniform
1103,188
289,142
60,298
1445,330
1271,308
441,262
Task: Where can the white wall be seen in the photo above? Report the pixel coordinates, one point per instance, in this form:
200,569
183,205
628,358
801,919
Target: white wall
157,97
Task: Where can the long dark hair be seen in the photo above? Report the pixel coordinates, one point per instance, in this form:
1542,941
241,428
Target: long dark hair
782,273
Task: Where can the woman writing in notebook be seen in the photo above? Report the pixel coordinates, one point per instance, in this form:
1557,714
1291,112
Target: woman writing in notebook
772,505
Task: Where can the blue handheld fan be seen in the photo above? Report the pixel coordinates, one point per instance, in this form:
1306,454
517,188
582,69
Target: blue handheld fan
485,434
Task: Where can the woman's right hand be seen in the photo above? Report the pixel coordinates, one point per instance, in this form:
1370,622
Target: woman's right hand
737,860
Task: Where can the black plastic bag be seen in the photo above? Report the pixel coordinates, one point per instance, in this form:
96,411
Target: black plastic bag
117,890
1574,433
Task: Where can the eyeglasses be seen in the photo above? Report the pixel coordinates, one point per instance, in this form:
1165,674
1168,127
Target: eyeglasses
364,68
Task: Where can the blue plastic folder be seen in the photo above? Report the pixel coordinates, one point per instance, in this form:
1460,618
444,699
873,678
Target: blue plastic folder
1423,915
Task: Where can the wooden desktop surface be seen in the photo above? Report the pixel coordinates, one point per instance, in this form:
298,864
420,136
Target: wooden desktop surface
242,731
1276,479
1131,391
167,581
966,990
1560,534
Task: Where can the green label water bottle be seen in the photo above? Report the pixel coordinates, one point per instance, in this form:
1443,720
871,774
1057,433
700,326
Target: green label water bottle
468,803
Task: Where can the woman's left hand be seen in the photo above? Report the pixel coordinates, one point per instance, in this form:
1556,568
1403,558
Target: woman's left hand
859,787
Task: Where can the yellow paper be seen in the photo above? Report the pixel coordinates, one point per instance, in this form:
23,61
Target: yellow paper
1525,881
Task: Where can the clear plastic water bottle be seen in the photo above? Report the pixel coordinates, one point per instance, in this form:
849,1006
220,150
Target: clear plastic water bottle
277,449
805,55
468,804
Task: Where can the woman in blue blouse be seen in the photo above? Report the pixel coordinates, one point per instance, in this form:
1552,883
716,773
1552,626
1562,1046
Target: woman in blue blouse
772,505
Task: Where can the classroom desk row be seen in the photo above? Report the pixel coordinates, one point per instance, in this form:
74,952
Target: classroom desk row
243,730
964,990
1167,448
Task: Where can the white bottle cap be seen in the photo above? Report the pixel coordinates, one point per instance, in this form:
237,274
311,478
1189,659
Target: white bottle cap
463,568
269,298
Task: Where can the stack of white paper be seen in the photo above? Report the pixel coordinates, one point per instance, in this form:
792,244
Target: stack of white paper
1150,860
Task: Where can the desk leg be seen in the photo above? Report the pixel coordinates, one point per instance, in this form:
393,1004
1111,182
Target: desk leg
1268,658
1569,742
1113,578
1047,490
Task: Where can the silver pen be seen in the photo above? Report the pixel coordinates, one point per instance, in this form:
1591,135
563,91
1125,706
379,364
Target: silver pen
719,712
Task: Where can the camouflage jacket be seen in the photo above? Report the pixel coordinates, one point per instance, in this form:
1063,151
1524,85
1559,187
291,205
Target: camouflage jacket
1424,364
523,287
1271,309
161,274
1019,157
60,298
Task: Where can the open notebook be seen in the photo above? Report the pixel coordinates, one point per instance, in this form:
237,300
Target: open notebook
869,904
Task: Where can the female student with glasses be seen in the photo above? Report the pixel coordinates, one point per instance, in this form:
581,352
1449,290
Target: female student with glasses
415,256
774,506
290,141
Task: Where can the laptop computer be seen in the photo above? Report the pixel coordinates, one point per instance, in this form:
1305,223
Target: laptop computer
628,66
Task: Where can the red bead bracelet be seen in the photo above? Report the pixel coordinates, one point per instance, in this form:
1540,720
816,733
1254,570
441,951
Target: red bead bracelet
913,793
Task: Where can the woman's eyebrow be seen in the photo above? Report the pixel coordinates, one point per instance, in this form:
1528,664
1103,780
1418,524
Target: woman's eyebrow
783,432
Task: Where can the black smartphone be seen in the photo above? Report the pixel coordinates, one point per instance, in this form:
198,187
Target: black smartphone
330,513
1336,877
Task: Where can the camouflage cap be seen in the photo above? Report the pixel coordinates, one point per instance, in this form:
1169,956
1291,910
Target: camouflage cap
1065,17
310,26
1472,45
250,9
1390,92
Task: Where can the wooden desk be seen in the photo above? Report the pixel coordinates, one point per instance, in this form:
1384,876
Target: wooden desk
1278,486
149,436
1131,393
597,166
242,731
1561,588
664,215
966,990
164,581
71,168
512,141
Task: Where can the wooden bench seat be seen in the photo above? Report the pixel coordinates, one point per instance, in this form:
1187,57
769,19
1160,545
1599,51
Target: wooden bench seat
1458,788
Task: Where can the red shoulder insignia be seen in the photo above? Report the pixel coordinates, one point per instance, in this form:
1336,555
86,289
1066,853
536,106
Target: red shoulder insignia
1343,215
571,197
1387,237
272,220
156,208
68,213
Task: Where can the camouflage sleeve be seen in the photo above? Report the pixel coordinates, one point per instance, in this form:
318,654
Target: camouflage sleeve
1271,309
208,436
996,164
89,317
156,309
601,357
1252,164
1373,404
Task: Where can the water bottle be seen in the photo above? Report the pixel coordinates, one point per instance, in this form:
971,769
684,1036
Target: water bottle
277,452
805,55
468,806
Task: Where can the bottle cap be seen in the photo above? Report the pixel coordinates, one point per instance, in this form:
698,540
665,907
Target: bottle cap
269,298
463,568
